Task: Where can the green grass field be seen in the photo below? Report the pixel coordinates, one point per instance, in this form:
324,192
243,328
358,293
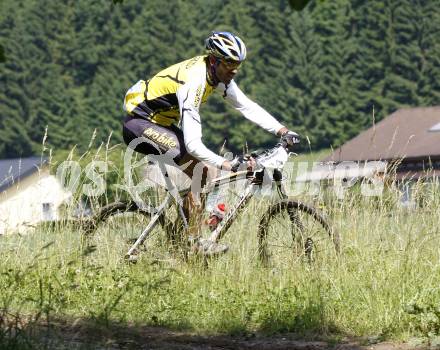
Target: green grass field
385,283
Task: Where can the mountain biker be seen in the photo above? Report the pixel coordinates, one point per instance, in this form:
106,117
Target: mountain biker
164,111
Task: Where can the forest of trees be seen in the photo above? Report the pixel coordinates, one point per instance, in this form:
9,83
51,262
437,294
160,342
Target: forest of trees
326,72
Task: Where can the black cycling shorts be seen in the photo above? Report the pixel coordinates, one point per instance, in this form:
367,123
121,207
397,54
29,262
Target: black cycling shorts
158,139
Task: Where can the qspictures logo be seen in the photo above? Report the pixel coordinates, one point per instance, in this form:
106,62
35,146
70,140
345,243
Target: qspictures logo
163,139
299,178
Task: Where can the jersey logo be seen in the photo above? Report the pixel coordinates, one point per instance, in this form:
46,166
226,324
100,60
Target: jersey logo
192,62
198,97
163,139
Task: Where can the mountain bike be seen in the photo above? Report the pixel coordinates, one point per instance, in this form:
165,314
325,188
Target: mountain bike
288,229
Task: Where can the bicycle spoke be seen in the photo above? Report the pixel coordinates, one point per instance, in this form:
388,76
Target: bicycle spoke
118,226
119,231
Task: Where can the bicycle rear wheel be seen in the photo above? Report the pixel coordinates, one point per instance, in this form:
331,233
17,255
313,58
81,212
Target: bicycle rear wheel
292,231
116,226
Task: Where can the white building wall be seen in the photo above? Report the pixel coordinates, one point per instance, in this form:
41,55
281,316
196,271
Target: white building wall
30,203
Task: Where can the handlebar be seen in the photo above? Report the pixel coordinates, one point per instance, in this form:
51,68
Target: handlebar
274,157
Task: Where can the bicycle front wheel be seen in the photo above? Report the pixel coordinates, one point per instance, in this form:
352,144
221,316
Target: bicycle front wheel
292,231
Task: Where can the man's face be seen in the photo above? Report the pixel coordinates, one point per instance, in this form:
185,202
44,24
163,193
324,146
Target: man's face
226,70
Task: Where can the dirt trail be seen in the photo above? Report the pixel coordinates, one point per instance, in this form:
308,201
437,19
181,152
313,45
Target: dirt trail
83,335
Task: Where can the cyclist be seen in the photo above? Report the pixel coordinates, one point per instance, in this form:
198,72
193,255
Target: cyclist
164,112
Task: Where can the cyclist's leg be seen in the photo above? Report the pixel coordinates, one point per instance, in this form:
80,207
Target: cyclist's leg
157,141
160,140
194,202
194,205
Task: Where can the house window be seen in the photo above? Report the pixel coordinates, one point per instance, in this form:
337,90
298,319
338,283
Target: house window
48,212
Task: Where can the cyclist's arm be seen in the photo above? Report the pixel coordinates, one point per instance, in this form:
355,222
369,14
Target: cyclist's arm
189,96
251,110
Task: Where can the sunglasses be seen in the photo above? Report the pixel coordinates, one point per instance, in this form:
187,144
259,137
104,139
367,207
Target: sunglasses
230,64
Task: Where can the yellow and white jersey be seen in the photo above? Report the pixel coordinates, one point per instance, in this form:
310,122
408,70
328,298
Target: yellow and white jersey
156,99
174,96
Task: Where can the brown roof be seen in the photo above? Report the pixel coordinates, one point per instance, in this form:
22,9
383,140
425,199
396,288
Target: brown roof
403,134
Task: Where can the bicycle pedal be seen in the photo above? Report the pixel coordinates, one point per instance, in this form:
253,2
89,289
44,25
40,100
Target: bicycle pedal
131,258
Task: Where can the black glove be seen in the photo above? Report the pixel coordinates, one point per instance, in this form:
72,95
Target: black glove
238,162
290,138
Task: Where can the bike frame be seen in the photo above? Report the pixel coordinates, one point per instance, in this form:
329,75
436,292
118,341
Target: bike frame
253,181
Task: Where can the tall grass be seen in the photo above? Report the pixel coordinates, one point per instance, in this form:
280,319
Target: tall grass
384,283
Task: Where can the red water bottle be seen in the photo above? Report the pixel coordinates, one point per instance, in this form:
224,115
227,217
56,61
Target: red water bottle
216,216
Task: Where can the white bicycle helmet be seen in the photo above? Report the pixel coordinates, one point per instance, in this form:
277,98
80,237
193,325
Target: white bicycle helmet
226,45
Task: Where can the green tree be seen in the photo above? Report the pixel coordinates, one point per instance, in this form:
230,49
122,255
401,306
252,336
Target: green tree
320,71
